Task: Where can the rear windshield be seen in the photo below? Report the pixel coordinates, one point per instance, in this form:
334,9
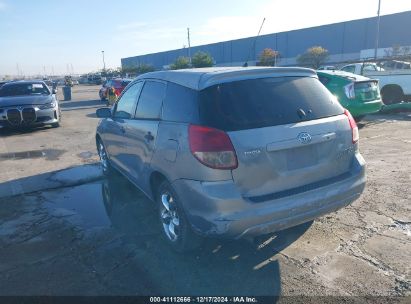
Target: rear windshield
116,84
259,103
21,89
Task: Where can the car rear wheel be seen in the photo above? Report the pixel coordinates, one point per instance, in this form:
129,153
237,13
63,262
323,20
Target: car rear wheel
176,230
104,161
392,94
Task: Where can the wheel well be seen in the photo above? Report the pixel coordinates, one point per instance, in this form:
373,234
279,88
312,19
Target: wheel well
392,87
156,179
392,93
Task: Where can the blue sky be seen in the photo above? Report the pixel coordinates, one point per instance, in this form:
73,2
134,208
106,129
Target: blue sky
54,34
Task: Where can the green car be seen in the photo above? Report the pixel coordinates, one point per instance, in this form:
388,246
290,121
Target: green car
358,94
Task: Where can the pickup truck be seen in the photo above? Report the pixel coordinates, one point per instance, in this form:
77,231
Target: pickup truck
395,84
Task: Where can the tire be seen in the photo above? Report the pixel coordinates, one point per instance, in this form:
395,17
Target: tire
175,227
104,161
392,94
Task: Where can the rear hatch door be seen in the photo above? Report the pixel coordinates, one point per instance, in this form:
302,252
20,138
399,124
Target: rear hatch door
367,90
288,132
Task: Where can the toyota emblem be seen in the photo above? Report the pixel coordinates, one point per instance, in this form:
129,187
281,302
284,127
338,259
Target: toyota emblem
304,138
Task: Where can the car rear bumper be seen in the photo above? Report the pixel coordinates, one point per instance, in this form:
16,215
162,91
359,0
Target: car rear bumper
365,108
218,209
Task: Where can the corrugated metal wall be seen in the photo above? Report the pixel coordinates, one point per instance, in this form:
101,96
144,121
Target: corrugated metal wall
344,41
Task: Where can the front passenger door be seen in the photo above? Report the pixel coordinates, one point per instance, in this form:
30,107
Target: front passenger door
143,129
117,137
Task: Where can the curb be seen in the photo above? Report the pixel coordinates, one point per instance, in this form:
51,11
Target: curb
70,177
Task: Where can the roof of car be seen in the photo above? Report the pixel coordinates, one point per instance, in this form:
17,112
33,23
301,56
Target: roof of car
121,79
202,78
23,82
344,74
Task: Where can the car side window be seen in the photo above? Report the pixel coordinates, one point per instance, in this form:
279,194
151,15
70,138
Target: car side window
151,100
180,104
369,67
127,102
349,69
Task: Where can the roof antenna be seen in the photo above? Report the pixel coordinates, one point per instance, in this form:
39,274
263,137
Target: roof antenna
253,46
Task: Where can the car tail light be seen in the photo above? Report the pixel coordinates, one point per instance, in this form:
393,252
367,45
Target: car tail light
349,90
117,91
354,127
212,147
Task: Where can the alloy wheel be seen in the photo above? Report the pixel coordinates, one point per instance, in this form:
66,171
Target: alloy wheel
169,217
103,157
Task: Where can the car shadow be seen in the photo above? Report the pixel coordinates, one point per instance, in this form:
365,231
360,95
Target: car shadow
68,177
218,267
92,115
4,132
81,104
379,118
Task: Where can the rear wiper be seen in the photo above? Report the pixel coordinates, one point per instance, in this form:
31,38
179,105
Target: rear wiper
301,114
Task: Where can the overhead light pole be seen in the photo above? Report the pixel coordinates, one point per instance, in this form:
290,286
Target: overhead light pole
189,44
377,38
104,63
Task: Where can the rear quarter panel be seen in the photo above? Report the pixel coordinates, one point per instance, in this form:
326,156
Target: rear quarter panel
336,87
173,157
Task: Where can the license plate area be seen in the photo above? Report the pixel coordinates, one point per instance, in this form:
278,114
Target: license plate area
302,157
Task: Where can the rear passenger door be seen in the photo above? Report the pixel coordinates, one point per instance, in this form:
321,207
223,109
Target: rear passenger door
143,128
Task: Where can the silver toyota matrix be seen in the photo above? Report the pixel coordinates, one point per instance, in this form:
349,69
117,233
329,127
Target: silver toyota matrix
233,152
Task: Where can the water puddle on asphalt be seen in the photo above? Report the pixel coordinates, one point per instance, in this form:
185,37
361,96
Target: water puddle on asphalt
48,154
86,155
82,205
109,203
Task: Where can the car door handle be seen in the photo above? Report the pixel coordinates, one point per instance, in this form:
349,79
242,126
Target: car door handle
149,136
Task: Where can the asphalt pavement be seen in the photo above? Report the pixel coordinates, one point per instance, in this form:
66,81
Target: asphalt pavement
81,234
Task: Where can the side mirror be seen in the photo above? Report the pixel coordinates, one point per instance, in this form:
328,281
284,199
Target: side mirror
103,113
54,91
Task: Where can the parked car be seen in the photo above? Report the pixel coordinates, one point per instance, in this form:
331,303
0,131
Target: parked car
395,65
95,79
28,103
233,152
83,80
51,84
117,84
395,84
327,67
359,94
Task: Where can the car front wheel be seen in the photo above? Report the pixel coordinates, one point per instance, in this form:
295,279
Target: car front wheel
176,230
104,161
